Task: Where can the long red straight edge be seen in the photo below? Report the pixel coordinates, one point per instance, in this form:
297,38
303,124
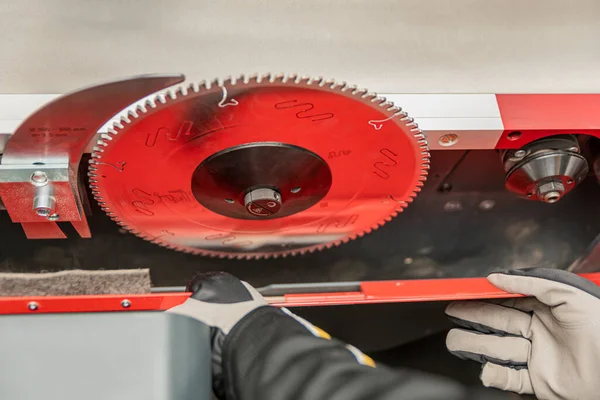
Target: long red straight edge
371,292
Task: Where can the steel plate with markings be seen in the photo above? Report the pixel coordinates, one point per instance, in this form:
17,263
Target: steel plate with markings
259,166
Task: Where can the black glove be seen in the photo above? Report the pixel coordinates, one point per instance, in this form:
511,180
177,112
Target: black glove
220,301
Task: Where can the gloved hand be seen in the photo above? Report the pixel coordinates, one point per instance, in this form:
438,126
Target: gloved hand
547,345
220,301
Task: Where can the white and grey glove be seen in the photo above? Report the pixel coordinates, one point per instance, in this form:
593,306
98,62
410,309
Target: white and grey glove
547,344
219,300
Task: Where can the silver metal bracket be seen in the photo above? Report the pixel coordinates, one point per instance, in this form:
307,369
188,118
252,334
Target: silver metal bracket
39,183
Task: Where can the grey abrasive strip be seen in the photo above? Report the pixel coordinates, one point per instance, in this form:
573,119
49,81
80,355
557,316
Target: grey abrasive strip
76,282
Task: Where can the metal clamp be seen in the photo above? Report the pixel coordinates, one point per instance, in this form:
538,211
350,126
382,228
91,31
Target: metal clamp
39,182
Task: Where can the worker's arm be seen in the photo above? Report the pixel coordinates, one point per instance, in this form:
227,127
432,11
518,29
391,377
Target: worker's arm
264,353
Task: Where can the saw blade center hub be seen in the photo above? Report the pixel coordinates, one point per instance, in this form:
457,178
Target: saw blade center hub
263,202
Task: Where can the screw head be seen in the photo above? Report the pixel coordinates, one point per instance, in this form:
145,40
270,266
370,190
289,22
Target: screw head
515,135
33,306
39,178
520,153
125,303
487,204
53,217
574,149
448,140
453,205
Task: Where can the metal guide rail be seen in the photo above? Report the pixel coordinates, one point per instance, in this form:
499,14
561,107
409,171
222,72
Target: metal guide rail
301,295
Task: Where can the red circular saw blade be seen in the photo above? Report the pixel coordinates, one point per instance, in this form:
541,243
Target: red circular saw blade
141,173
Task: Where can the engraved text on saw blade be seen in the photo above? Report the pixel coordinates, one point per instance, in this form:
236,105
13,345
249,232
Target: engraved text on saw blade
389,161
143,202
186,131
337,223
58,132
338,153
174,196
228,239
226,102
305,110
119,165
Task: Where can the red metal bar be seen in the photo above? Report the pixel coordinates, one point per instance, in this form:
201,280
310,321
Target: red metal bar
405,291
540,115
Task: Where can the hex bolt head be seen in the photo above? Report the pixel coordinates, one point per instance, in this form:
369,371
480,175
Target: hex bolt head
551,192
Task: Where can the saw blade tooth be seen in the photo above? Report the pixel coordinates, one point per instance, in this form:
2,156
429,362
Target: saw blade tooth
252,78
181,91
131,114
193,87
241,79
161,99
338,85
149,103
328,82
233,80
360,92
369,96
203,85
140,109
303,80
227,81
105,136
170,94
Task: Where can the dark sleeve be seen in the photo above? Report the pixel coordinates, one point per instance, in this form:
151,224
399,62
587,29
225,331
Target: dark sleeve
269,355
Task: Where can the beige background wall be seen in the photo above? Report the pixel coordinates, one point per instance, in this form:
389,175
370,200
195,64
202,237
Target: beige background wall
51,46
